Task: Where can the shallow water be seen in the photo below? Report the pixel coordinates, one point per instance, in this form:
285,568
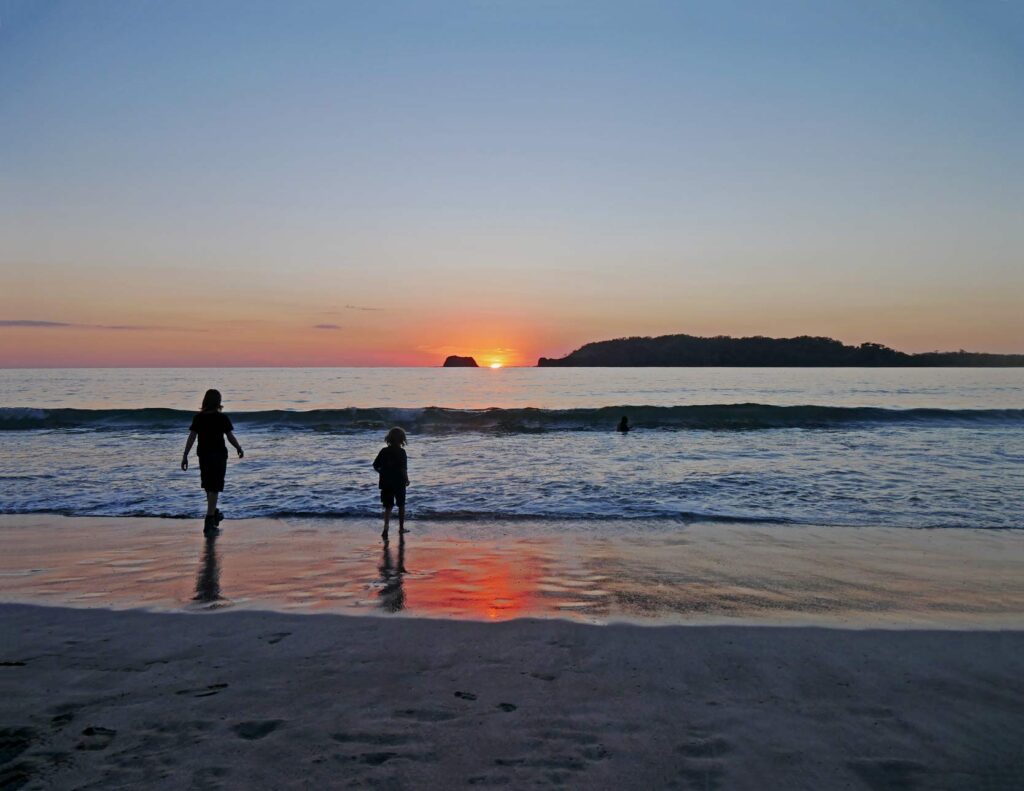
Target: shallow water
840,447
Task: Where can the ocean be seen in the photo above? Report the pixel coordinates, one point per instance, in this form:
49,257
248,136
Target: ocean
913,448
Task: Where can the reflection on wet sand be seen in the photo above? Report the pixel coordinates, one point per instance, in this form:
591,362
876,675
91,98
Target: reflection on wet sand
392,597
208,578
696,573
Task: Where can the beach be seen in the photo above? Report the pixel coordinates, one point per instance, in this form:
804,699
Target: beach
101,699
711,659
777,579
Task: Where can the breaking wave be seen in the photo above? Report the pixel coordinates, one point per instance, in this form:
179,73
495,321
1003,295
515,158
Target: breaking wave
439,420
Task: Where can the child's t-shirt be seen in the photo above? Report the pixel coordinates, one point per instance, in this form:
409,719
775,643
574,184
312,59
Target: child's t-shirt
211,428
393,466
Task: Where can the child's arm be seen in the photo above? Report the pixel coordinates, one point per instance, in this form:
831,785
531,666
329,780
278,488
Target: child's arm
376,461
188,447
231,438
405,468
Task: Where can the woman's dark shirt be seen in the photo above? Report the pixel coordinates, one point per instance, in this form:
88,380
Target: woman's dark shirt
393,466
211,428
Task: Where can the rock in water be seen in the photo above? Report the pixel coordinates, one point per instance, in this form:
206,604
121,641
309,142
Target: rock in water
454,361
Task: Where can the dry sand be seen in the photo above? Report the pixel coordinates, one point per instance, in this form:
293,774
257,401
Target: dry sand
101,699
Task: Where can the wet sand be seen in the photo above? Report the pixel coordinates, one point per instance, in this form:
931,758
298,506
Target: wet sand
702,573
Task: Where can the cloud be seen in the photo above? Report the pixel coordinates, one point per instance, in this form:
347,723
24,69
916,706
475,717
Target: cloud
326,326
32,323
41,324
360,307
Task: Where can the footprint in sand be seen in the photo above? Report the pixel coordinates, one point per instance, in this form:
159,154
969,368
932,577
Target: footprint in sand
205,692
425,715
14,741
275,637
888,772
701,769
377,739
465,695
507,706
698,747
256,729
96,738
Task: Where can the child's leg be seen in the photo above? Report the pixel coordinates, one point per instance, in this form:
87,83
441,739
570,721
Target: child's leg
211,503
387,520
401,518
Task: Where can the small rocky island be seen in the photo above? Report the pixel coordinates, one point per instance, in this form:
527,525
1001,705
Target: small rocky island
454,361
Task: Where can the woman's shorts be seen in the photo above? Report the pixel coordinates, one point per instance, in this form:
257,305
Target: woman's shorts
389,497
211,472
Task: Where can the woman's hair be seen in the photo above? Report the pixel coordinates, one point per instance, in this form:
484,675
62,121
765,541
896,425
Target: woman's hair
211,401
395,437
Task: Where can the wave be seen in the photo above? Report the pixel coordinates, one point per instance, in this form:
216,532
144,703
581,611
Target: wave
439,420
420,515
499,517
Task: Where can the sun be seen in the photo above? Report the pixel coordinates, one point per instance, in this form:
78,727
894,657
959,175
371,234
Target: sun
495,365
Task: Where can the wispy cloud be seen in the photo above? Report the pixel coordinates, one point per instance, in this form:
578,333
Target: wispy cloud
43,324
326,326
32,323
360,307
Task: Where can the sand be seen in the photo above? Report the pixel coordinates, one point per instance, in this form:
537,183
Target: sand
686,574
101,699
307,655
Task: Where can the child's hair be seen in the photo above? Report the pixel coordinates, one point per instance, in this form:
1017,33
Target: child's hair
395,437
211,401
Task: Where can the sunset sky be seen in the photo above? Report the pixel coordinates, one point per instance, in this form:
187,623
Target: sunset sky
343,183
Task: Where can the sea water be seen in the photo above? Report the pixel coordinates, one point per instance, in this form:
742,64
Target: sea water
915,448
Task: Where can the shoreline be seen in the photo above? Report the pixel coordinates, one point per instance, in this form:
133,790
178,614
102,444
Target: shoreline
694,574
96,698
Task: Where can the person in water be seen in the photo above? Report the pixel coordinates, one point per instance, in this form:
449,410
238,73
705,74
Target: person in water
393,467
211,426
623,425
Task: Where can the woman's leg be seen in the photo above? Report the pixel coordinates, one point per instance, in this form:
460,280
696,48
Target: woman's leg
211,503
401,518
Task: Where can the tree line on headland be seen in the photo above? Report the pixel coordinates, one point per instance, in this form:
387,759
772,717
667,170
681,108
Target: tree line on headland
803,351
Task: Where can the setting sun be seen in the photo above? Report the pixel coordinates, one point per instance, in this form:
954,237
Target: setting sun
495,365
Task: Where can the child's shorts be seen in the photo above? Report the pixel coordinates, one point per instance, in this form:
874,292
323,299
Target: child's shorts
389,497
212,470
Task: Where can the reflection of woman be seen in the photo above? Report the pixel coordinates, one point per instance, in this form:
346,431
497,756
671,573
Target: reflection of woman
392,596
208,578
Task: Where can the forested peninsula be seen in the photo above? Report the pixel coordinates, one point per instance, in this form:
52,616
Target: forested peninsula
803,351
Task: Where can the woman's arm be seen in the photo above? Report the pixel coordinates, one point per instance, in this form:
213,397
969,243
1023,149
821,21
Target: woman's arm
231,438
188,447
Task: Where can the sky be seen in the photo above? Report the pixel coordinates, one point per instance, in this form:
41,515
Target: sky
349,183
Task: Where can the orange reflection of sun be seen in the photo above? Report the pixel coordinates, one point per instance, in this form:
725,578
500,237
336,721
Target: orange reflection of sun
472,583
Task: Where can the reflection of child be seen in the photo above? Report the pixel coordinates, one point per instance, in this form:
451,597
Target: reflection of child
393,466
211,425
